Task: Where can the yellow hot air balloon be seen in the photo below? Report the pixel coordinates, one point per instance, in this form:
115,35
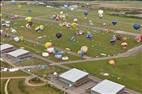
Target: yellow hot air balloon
21,38
48,44
124,44
84,49
74,25
28,19
41,27
112,62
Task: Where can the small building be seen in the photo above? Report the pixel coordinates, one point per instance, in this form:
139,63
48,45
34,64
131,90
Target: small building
74,77
107,87
19,55
5,48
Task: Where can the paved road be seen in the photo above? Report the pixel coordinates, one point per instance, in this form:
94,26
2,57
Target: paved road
6,86
81,25
30,67
50,82
130,52
17,77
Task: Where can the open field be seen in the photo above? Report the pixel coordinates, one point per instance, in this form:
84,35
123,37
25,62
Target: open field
126,71
10,74
2,84
19,87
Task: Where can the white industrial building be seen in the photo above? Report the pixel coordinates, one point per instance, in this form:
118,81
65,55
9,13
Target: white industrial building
74,77
107,87
5,48
19,55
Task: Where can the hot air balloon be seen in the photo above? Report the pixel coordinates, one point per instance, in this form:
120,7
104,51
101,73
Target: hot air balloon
61,12
124,44
111,62
85,12
75,20
139,38
136,26
48,44
66,5
58,55
114,22
17,39
74,25
13,2
100,12
84,49
113,40
89,36
58,35
29,20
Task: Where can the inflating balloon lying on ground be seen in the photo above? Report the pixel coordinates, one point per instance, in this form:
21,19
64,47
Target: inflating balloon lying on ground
100,13
39,28
29,22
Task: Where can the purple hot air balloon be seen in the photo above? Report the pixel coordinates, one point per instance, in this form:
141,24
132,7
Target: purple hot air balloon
114,22
89,36
85,12
136,26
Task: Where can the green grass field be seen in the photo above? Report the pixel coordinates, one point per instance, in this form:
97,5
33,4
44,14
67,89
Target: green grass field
11,74
127,71
2,84
19,87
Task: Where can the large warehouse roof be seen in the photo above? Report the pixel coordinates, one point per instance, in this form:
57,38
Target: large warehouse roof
73,75
107,87
5,46
18,52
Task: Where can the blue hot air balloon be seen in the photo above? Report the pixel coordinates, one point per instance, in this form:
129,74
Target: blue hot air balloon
85,12
58,55
114,22
136,26
66,5
89,36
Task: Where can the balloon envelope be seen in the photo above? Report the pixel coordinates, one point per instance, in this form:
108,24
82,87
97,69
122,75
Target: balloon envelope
58,35
84,49
85,12
100,11
136,26
114,22
89,36
48,44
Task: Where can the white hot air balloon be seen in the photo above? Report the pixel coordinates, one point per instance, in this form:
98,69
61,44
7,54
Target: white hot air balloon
17,39
100,12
